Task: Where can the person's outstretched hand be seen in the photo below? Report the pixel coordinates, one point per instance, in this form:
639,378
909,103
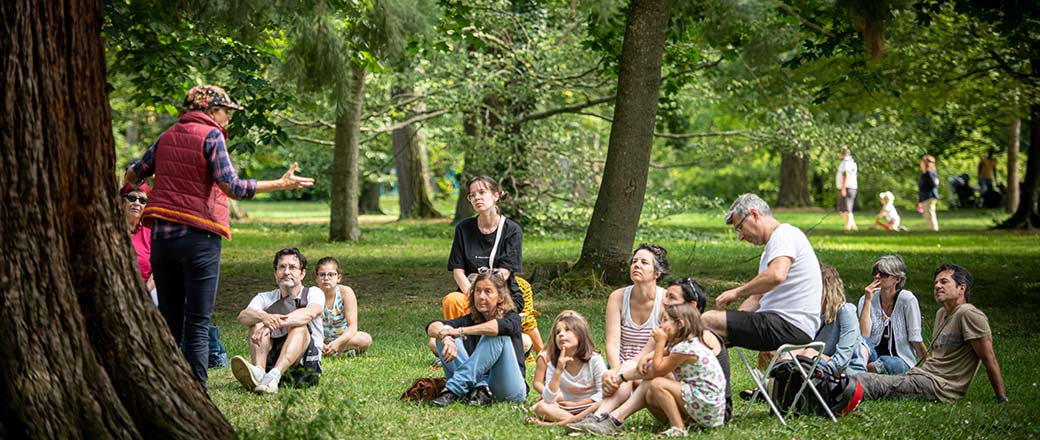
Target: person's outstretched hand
291,181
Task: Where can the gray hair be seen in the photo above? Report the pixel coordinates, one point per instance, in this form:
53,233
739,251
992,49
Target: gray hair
891,265
743,205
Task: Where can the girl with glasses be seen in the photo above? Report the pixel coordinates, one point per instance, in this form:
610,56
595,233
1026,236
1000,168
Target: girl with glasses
341,312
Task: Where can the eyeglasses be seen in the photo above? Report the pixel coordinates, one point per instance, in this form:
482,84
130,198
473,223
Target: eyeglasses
473,195
289,268
882,275
740,225
327,274
135,199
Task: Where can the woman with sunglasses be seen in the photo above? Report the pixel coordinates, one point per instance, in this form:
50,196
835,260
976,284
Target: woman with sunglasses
135,197
890,320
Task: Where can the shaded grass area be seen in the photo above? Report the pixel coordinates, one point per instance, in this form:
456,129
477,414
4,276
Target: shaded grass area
399,271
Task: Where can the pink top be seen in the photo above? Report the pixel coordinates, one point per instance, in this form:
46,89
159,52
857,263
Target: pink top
142,238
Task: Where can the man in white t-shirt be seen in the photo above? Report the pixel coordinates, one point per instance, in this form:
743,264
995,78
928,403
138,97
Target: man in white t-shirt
847,182
285,330
783,301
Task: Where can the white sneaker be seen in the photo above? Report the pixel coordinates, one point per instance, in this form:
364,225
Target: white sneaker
269,383
248,375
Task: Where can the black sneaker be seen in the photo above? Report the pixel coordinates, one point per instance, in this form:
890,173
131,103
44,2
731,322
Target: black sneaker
445,398
480,396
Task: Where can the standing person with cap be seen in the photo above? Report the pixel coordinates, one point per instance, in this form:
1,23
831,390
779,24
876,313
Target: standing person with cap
188,213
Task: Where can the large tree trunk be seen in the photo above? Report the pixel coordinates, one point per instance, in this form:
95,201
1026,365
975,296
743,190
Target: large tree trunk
368,203
343,224
85,355
413,192
1026,216
794,181
612,229
1011,192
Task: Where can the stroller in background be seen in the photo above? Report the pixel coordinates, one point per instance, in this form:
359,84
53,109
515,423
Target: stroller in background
964,193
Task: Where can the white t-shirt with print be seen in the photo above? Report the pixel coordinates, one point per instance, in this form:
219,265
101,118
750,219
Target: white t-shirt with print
798,298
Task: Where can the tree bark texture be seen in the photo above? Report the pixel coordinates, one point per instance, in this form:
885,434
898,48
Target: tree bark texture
1014,141
615,218
413,192
86,354
343,222
794,181
368,203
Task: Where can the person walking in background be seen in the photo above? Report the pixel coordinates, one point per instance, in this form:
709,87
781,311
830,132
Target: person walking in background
188,213
848,184
928,191
987,173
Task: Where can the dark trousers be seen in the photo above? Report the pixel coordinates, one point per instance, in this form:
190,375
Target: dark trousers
187,270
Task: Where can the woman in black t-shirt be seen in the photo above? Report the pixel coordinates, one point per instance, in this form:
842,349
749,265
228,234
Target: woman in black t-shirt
471,250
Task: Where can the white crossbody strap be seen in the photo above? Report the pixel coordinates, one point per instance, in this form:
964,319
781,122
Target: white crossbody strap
498,238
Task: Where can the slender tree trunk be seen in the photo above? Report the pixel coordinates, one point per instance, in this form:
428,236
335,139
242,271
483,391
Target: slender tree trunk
1026,216
413,192
343,224
794,181
1011,192
471,128
608,242
85,354
369,200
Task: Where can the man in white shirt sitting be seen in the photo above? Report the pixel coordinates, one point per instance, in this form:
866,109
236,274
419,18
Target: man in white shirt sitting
783,301
285,330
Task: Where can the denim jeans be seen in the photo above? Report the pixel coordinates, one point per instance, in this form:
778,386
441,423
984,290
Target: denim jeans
885,364
187,270
492,363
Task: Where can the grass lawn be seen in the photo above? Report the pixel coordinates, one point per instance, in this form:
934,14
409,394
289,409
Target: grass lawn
399,272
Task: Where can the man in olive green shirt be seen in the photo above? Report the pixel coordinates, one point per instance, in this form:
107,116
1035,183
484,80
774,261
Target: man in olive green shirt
961,340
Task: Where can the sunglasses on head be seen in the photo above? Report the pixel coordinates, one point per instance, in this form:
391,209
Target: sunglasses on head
142,200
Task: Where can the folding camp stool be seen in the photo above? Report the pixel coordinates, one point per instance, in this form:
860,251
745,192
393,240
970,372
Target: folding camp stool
760,378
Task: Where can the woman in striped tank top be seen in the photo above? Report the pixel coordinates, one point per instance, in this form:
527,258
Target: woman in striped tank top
632,314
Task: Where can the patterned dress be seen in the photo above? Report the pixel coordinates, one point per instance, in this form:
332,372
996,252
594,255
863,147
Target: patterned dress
703,384
335,319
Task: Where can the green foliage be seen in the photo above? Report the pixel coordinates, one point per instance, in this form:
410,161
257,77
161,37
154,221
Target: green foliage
162,50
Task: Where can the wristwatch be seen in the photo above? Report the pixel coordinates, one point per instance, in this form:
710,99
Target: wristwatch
622,376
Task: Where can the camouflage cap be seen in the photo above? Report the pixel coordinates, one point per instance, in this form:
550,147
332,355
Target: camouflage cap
204,97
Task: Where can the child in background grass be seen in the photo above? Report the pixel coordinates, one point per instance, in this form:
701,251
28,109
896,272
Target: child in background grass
569,373
341,312
695,394
887,217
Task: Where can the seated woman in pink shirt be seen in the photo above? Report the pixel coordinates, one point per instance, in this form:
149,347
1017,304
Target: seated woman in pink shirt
135,197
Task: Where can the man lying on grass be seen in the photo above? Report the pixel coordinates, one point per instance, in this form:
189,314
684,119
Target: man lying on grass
285,330
961,338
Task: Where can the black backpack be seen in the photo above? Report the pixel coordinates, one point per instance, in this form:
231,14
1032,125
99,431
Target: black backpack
841,392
